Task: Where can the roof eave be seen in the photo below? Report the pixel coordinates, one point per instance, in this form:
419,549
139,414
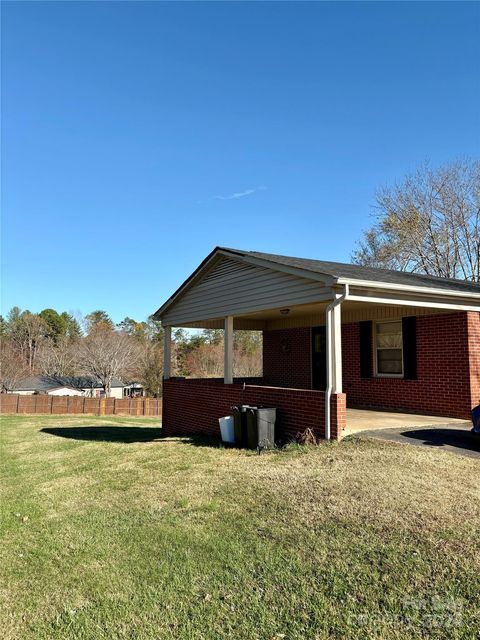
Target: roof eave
406,288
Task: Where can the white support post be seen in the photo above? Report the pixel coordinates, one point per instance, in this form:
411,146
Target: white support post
228,346
337,349
334,353
167,352
329,357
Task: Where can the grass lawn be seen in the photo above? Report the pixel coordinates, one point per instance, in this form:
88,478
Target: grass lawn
110,531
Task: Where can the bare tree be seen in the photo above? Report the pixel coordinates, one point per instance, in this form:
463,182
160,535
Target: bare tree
13,367
247,364
149,370
58,359
107,354
206,361
429,223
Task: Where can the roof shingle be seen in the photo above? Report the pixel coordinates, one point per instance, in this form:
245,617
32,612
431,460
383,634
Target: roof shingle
359,272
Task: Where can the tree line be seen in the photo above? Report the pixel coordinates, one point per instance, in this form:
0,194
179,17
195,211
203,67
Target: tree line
56,344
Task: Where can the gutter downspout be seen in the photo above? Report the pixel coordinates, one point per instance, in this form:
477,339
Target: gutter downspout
330,351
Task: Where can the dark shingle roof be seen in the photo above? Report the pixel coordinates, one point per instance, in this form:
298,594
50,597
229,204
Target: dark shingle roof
47,383
358,272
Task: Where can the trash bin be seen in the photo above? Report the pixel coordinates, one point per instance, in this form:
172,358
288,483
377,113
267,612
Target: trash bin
240,424
227,429
261,427
254,427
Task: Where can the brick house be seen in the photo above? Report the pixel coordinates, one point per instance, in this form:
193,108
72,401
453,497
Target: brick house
334,336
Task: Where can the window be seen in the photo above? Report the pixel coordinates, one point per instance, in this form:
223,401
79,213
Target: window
389,349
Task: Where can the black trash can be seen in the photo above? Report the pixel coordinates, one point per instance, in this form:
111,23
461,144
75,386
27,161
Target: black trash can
254,426
240,417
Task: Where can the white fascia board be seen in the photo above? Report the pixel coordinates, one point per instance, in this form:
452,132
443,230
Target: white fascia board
408,288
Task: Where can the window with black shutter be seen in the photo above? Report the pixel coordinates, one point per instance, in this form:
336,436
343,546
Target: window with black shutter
389,348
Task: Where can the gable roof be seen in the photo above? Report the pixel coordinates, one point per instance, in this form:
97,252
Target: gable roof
345,271
47,383
332,273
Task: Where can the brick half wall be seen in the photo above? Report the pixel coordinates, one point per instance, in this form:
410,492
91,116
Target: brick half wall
192,407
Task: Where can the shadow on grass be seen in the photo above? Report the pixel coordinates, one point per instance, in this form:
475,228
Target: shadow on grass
440,437
126,435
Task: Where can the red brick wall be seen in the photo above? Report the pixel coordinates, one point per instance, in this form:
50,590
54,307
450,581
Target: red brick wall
443,385
287,358
448,353
194,406
474,352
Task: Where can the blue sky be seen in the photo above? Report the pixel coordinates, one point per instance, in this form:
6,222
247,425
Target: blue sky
137,136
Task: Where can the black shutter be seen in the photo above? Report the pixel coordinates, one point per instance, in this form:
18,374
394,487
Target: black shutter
366,370
409,333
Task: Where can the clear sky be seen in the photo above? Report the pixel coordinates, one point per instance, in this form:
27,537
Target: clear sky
137,136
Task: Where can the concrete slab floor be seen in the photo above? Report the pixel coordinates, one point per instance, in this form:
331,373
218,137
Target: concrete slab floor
362,420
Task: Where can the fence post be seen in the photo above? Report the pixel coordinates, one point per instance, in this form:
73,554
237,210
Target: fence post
102,406
18,401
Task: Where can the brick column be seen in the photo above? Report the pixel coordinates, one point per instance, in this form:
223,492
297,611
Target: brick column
338,407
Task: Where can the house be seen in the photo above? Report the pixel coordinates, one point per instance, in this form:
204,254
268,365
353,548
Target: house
88,386
133,390
334,336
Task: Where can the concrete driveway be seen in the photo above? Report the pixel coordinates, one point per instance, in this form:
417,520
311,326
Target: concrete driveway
431,431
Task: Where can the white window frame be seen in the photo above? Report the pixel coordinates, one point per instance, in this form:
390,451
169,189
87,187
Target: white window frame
376,348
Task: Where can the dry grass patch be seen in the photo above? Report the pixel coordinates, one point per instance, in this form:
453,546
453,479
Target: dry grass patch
130,535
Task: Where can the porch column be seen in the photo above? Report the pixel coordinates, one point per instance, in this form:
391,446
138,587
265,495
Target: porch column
228,353
167,352
337,349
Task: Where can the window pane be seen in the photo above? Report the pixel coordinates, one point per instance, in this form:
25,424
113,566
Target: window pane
389,327
389,361
389,335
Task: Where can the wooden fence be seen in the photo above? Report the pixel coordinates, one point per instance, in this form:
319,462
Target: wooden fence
17,403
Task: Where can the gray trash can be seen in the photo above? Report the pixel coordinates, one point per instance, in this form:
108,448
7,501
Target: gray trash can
261,427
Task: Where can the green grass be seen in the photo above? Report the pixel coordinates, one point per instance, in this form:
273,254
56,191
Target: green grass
116,532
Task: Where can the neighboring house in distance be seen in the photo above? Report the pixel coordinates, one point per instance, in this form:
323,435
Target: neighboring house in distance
133,390
87,386
334,336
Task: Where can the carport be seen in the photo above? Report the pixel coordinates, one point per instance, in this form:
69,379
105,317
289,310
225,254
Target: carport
334,336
